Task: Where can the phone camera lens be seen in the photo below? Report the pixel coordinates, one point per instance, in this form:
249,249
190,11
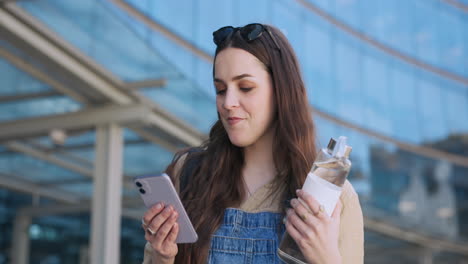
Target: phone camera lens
142,191
138,184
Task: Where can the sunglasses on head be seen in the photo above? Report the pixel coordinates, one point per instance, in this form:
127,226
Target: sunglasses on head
249,33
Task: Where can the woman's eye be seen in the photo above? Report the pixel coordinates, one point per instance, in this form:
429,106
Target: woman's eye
220,92
246,89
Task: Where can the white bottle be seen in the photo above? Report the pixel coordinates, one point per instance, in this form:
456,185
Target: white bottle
324,182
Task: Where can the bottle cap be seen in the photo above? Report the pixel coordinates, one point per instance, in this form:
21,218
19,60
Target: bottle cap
331,144
340,149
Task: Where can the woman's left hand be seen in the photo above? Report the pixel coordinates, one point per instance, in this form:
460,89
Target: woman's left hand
314,231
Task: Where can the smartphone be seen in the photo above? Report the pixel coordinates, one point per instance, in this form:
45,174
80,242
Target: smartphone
155,189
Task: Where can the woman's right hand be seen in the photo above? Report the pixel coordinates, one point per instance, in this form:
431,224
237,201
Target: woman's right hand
161,229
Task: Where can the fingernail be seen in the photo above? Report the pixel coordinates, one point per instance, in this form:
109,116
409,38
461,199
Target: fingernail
158,206
299,192
293,202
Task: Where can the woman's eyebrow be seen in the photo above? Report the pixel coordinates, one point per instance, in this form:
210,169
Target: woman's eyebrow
235,78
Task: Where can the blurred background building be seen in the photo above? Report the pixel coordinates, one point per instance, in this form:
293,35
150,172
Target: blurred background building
95,92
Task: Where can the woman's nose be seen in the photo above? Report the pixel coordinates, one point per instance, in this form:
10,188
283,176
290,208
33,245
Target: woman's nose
231,100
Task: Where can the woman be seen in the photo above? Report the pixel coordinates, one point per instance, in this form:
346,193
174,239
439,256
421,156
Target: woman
257,155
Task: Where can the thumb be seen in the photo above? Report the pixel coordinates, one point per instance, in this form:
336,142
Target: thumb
337,211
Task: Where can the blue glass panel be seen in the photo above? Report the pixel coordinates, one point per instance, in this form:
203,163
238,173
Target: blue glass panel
58,13
140,159
15,81
415,192
181,99
94,30
398,20
465,52
180,57
82,146
288,17
403,93
456,108
83,188
451,43
132,193
433,123
348,81
130,135
73,139
404,99
192,69
211,14
141,4
83,138
375,92
57,221
373,19
360,156
33,169
326,5
136,59
37,107
252,11
204,77
87,154
181,22
317,62
425,33
186,62
394,24
348,11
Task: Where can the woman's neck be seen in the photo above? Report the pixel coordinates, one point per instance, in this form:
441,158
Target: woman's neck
259,167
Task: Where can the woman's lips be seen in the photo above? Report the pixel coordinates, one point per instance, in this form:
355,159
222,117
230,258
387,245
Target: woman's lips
234,120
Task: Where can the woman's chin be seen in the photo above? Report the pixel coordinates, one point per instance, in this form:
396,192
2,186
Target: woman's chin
239,141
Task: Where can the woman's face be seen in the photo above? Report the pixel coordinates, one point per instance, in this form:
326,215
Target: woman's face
244,96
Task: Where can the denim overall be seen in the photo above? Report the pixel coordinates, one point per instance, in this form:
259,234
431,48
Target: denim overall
247,238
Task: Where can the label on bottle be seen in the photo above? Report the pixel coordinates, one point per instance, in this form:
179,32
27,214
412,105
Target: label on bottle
326,193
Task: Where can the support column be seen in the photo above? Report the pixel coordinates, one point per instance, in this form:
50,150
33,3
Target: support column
427,256
84,254
20,245
107,196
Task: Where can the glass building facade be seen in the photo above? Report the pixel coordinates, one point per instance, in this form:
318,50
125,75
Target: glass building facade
392,76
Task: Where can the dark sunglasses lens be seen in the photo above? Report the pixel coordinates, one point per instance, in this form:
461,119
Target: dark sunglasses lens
252,31
221,34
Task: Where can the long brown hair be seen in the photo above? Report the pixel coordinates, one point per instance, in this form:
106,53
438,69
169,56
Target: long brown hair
216,183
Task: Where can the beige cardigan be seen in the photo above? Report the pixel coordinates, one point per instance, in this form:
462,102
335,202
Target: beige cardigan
351,238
